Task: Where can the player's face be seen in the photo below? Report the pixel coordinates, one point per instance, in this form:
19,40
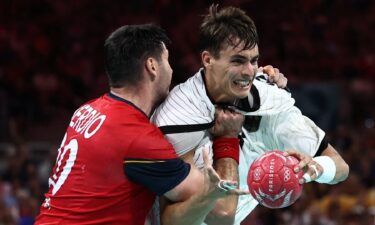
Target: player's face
165,77
233,72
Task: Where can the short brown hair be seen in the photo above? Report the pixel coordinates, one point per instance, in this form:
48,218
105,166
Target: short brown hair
223,26
127,48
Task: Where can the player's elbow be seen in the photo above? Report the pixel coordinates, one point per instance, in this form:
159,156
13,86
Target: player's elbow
221,217
344,172
226,217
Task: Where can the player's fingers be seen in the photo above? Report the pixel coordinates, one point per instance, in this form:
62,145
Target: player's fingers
302,164
277,71
218,112
303,159
234,116
237,116
270,70
313,172
284,83
238,192
219,116
206,160
306,178
213,176
230,188
292,152
241,117
274,78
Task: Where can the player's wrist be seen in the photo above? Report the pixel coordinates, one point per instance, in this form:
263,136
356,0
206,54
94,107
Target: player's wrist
329,169
226,147
233,134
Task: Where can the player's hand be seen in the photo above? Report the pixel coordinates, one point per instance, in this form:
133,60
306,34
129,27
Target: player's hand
274,76
218,188
312,170
227,123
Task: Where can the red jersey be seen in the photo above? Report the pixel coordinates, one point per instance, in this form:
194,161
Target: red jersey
111,164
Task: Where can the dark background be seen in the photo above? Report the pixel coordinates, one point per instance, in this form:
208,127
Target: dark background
51,61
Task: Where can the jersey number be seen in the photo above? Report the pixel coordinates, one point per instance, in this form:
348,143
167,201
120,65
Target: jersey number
60,174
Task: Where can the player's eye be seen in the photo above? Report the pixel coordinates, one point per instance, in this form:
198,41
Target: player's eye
238,61
254,61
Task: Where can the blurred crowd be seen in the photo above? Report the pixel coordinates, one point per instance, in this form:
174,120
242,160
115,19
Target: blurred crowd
51,62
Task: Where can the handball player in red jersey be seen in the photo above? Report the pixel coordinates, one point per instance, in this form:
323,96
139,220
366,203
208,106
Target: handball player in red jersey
112,161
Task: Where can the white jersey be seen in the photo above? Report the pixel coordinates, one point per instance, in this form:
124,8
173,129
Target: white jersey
272,122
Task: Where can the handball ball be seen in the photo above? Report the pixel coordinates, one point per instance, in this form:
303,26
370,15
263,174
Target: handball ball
272,180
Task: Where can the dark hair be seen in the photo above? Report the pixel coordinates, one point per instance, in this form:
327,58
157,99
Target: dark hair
127,48
223,27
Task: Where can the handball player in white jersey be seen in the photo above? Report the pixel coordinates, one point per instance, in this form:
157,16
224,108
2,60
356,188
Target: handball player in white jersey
230,80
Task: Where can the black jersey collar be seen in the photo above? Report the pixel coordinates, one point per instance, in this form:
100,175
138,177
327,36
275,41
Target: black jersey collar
115,97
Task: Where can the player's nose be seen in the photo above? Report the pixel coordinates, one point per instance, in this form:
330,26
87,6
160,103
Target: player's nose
249,70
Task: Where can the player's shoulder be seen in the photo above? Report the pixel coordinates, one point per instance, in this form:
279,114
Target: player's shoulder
189,90
272,98
187,103
120,114
150,137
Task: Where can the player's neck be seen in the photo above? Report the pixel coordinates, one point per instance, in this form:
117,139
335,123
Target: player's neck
217,95
215,92
137,96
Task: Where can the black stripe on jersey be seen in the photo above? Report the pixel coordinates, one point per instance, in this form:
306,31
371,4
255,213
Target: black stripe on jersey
255,93
173,129
323,145
287,89
243,104
159,176
252,123
261,78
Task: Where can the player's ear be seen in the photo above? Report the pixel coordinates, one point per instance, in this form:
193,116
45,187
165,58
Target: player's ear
206,58
151,66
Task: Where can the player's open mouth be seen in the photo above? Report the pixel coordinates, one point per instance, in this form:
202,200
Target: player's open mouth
242,83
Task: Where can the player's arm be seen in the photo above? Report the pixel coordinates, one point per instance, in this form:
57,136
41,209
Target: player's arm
182,209
320,161
342,168
190,193
227,124
225,209
191,210
190,202
328,168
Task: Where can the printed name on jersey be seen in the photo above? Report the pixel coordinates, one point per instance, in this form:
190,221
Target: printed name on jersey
87,121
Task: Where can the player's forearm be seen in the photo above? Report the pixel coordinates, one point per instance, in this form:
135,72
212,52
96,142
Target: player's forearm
225,208
342,168
190,212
